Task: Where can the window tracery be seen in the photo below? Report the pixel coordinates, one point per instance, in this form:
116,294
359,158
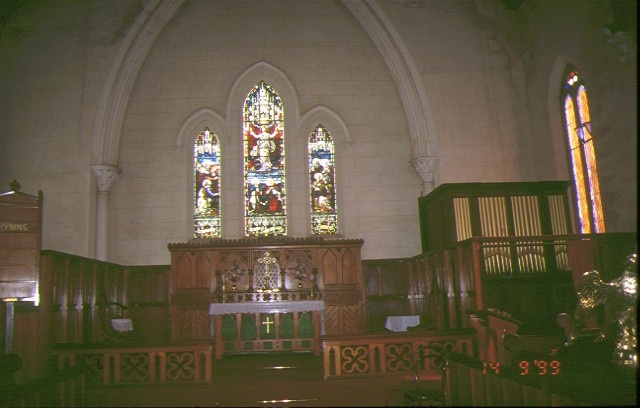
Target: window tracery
582,154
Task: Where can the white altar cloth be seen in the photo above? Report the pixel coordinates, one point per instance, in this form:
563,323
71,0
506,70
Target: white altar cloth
400,323
266,307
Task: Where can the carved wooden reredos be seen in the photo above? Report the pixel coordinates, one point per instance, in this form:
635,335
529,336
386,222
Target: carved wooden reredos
205,271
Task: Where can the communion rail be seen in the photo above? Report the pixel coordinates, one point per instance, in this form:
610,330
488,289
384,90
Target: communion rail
378,354
127,364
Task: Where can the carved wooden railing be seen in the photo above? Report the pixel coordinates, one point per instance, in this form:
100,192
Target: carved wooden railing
184,363
378,354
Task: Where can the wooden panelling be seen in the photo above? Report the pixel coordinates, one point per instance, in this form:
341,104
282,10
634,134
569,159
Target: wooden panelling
455,212
74,292
207,271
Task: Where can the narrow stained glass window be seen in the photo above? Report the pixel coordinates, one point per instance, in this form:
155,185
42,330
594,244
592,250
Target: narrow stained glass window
582,154
207,185
324,217
264,170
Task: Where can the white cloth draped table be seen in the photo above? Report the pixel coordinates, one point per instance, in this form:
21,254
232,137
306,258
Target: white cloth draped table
267,307
400,323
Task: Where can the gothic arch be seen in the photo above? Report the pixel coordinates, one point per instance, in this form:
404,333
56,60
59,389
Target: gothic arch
558,143
404,72
262,71
190,128
196,122
107,124
321,114
155,16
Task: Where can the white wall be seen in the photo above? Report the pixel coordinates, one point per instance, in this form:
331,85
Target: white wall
491,80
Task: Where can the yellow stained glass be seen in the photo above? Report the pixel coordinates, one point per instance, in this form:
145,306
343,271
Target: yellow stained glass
590,158
577,166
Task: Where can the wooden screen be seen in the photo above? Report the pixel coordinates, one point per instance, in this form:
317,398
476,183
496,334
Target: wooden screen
221,270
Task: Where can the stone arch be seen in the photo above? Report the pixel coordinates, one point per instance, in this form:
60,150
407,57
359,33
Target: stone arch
321,114
155,16
262,71
124,72
556,132
404,72
197,121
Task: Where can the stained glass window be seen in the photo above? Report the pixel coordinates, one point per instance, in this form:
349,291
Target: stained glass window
207,185
324,216
582,153
264,170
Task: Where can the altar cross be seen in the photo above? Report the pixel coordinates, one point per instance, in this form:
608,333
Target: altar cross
268,323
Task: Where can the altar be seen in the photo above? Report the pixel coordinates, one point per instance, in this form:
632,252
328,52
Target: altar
266,293
267,326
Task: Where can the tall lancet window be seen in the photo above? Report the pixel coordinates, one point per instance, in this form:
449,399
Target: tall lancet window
264,172
322,182
207,185
582,153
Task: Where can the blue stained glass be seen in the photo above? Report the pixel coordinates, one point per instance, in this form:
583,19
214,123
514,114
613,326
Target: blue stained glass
207,185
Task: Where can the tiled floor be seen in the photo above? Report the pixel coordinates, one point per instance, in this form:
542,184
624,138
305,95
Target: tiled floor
264,380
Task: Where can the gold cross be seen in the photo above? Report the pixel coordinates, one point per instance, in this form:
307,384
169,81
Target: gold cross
268,322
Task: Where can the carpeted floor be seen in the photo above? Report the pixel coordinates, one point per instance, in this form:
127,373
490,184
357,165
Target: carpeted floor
262,380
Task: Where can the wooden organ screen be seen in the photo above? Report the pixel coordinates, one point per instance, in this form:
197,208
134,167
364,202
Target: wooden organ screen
455,212
205,271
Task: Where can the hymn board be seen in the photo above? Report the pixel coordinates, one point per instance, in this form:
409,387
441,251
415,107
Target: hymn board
20,241
264,294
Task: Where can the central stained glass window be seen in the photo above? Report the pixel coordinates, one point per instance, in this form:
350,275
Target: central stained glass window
264,177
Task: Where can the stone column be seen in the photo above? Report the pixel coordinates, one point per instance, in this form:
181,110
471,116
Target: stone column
425,166
106,176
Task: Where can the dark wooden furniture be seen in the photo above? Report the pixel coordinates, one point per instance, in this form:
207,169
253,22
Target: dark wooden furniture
20,240
206,271
455,212
498,245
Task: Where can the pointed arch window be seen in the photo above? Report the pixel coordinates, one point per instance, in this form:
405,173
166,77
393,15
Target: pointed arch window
582,153
322,182
207,220
264,164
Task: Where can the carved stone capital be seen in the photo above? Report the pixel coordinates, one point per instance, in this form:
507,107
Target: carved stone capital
425,167
106,176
